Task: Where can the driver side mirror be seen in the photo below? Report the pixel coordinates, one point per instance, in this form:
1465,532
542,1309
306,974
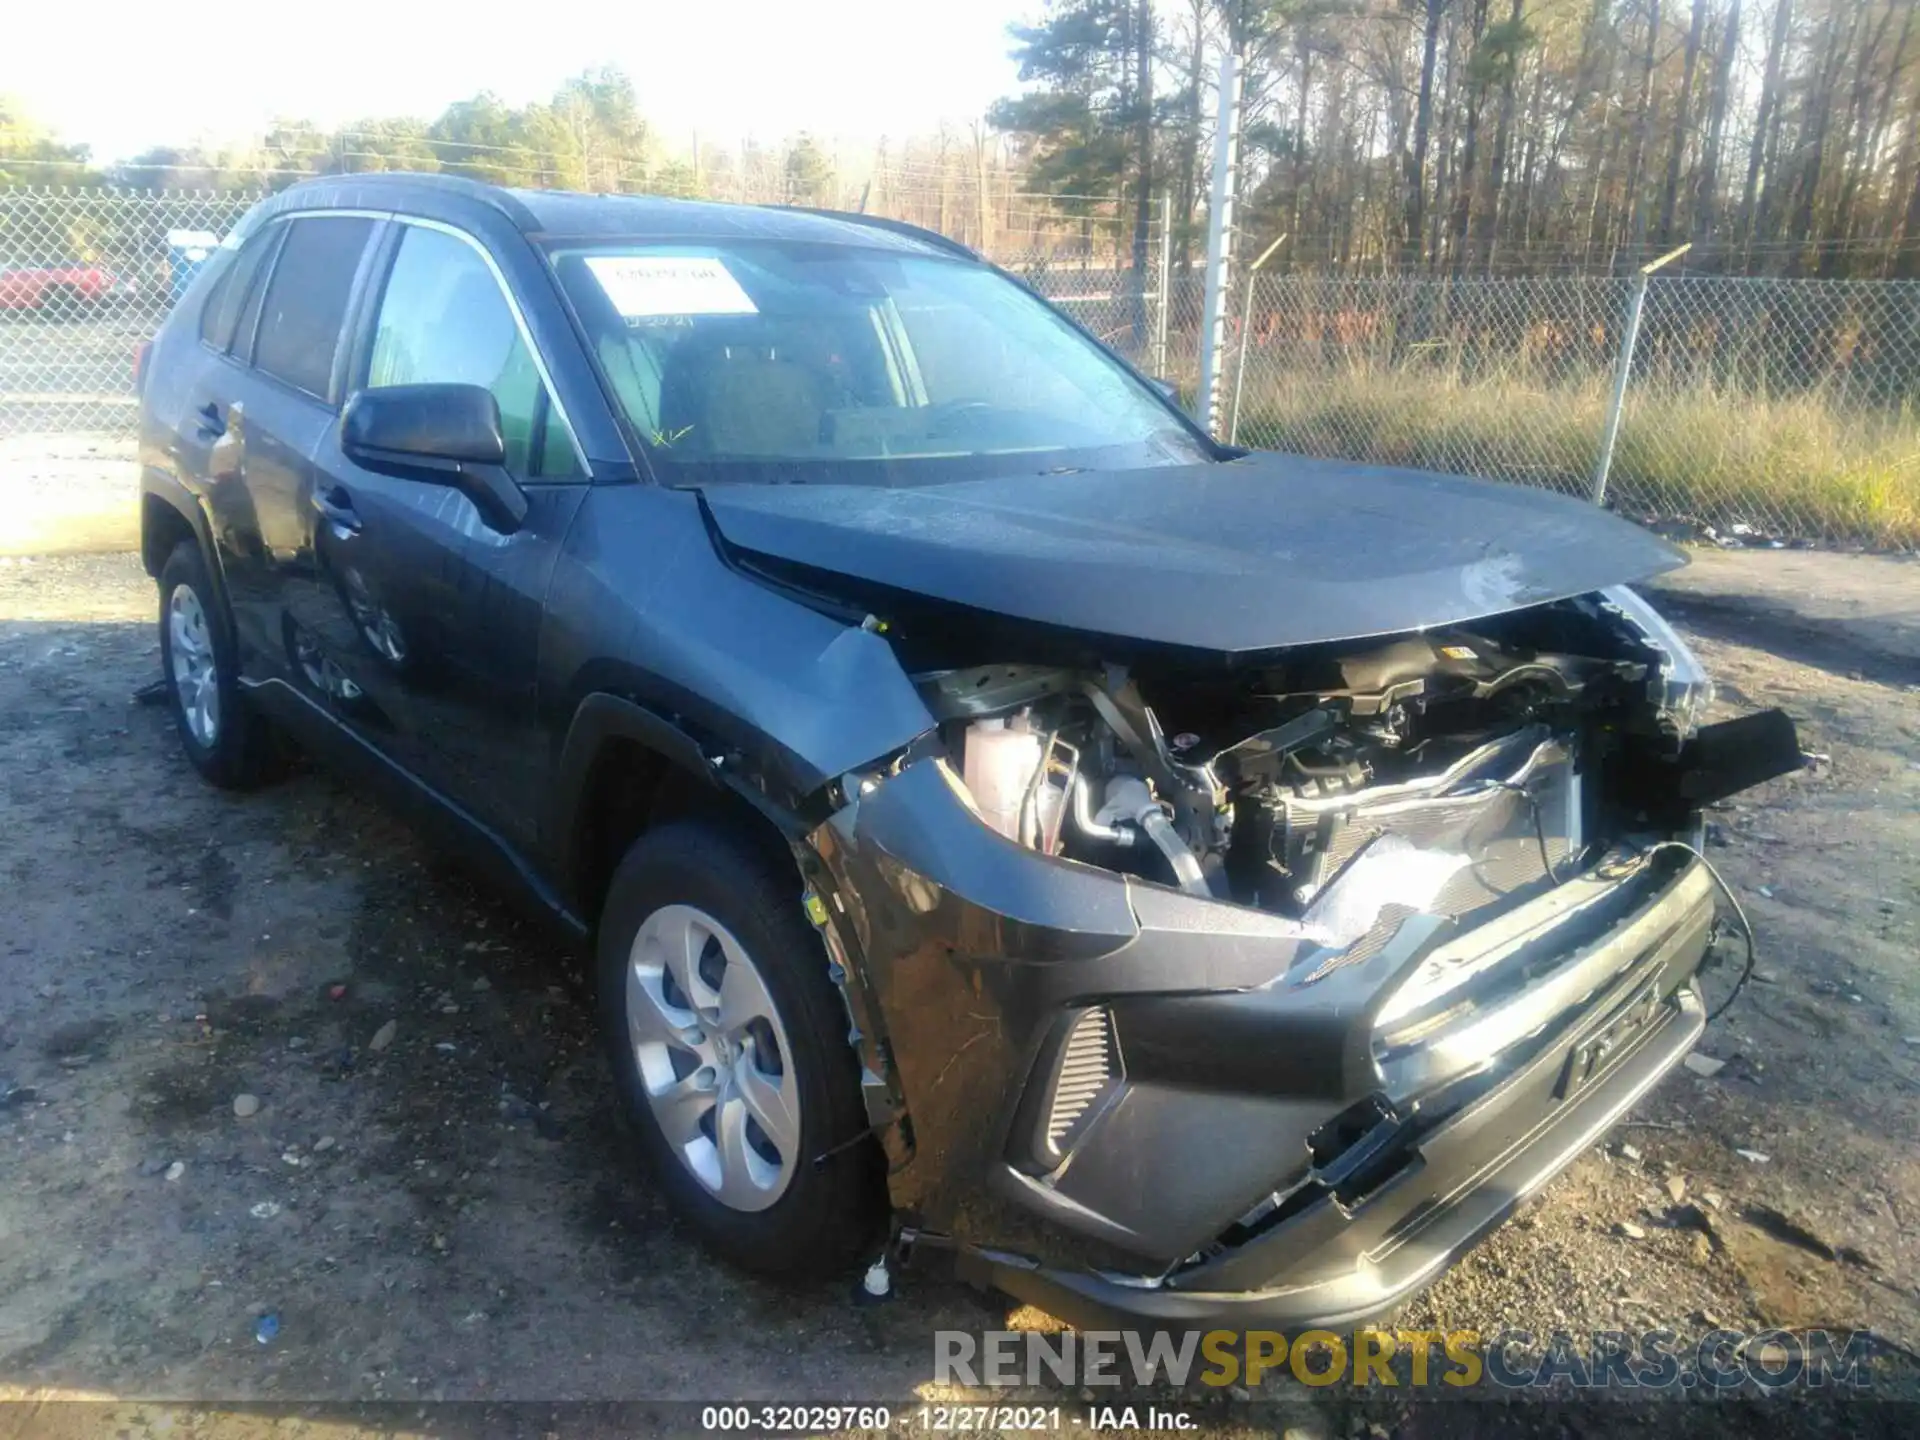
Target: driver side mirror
440,435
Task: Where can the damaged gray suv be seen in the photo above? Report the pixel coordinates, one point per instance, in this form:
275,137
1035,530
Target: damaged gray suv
1175,884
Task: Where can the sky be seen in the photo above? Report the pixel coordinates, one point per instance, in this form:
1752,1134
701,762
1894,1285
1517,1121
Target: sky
854,70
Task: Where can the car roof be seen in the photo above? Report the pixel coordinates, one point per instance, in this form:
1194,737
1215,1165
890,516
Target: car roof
565,214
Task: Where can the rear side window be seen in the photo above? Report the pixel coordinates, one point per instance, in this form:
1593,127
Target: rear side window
306,300
229,291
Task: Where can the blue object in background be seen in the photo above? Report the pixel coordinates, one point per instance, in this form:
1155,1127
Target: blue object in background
187,251
268,1327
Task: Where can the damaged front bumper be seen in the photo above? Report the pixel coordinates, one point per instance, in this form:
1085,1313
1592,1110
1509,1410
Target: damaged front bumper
1128,1104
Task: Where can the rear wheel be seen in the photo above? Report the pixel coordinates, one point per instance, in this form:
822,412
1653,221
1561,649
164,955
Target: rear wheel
224,738
729,1050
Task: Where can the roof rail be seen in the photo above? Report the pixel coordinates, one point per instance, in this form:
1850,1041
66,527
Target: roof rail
493,196
898,227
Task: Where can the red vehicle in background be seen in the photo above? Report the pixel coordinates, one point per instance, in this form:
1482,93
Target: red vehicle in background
67,288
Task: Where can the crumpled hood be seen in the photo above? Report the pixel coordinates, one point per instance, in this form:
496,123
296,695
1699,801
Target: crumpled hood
1258,553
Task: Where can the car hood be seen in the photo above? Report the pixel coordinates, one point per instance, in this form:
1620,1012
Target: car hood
1252,554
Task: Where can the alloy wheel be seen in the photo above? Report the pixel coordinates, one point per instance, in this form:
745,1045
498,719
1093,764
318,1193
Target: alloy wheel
196,673
713,1056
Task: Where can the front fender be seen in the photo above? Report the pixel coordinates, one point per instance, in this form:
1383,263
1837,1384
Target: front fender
644,607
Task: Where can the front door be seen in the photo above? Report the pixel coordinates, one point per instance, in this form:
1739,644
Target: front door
427,625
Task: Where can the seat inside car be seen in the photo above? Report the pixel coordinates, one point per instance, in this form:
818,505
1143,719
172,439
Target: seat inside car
740,398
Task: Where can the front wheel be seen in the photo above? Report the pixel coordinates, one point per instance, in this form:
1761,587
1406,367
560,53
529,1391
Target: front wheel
729,1049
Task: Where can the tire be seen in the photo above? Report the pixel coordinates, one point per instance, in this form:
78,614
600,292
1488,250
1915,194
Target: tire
227,741
769,1207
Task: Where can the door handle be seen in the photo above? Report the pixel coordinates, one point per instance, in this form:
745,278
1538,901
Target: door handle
335,506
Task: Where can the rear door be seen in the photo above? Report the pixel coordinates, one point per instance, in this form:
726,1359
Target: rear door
262,434
203,415
432,616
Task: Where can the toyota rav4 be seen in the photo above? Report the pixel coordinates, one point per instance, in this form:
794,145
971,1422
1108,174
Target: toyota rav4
1181,884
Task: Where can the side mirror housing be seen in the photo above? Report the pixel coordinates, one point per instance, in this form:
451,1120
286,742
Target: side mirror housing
438,434
455,424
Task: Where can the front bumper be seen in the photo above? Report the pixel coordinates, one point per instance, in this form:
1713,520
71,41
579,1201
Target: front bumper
1332,1266
1265,1147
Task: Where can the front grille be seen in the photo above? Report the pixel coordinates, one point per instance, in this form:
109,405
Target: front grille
1087,1067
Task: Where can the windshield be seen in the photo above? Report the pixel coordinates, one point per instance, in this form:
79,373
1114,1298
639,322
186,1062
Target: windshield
796,362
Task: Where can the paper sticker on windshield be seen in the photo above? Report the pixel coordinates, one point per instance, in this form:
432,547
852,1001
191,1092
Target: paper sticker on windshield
644,287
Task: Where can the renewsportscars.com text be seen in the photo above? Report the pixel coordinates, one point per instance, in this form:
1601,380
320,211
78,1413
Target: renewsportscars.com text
1511,1359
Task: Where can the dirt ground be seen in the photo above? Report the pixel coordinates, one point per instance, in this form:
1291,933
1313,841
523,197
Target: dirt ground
451,1217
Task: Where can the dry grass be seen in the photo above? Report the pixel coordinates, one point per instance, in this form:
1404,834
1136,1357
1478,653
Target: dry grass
1794,465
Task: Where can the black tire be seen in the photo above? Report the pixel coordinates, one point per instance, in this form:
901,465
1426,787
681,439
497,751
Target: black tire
831,1213
242,752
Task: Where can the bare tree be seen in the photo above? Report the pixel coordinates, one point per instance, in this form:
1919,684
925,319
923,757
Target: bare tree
1521,133
1683,107
1475,86
1642,127
1706,195
1416,163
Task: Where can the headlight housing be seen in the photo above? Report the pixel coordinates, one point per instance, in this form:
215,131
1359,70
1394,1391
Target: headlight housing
1679,687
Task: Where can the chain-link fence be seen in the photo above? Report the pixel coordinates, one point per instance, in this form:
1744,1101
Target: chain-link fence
1752,408
85,275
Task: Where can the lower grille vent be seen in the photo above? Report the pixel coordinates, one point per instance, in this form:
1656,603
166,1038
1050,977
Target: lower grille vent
1088,1065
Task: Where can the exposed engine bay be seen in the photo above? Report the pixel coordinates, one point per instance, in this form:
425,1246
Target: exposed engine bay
1340,786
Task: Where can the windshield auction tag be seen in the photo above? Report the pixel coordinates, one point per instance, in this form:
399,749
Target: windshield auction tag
645,286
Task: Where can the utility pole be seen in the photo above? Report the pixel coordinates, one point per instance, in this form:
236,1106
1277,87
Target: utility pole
1226,155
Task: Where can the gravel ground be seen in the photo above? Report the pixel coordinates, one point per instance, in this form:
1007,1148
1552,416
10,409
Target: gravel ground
448,1216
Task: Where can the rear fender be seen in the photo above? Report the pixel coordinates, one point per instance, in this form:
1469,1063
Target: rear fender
164,499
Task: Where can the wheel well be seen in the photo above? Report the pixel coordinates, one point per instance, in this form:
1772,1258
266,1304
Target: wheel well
630,788
161,528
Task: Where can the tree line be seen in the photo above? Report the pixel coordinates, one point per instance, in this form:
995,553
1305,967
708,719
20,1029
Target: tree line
1484,136
590,134
1442,136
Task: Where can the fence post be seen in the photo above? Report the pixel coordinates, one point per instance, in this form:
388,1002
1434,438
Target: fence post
1246,329
1165,287
1623,371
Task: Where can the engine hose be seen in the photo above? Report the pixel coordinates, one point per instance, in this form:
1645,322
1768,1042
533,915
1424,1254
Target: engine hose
1129,799
1084,821
1186,866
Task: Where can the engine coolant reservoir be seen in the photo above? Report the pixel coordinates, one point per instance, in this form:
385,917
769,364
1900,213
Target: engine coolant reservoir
998,767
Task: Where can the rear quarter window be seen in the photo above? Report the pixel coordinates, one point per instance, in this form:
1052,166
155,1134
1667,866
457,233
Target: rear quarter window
231,286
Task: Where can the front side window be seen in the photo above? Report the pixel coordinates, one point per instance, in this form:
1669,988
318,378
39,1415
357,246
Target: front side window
767,360
306,300
444,320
